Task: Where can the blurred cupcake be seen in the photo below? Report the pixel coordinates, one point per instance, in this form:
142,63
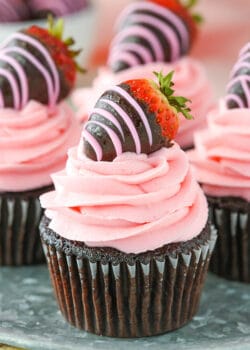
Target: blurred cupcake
14,10
222,163
36,129
154,35
125,232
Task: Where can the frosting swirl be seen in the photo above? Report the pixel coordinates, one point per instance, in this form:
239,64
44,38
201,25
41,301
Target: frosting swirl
135,203
33,144
190,81
222,154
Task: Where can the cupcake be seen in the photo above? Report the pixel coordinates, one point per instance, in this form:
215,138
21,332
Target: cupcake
153,36
36,129
126,231
221,160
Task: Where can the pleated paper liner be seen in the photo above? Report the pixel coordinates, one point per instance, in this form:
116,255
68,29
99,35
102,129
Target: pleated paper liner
231,258
127,295
20,215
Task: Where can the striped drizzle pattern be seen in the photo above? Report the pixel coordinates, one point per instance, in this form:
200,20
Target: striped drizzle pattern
18,82
238,89
148,32
107,112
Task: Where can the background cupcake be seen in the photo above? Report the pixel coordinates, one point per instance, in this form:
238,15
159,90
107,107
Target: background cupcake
153,36
222,163
36,129
125,232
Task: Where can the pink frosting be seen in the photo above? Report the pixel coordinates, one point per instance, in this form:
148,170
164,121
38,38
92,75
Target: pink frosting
34,144
190,81
135,203
222,154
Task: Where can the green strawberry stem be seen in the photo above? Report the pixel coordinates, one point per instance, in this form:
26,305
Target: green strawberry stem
178,102
197,18
56,28
190,4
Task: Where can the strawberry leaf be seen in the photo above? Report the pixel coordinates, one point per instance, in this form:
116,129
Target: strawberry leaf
178,102
56,28
190,3
198,18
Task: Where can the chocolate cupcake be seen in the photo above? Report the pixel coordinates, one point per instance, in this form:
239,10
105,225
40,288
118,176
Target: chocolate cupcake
222,163
36,129
125,232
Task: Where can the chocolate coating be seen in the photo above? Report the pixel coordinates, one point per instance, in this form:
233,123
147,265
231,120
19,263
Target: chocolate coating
34,79
238,90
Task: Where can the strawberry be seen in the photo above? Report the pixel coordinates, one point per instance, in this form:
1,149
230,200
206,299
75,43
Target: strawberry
136,116
153,31
183,11
41,64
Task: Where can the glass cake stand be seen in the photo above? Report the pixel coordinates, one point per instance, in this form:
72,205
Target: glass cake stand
29,318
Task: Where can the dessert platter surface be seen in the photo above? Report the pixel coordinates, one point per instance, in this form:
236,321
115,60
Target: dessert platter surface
30,318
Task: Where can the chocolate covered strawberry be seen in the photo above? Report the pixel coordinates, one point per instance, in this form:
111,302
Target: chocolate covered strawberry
36,64
153,31
138,116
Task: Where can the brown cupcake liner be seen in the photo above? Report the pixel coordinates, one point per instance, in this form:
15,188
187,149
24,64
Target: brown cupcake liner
123,300
231,257
20,215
